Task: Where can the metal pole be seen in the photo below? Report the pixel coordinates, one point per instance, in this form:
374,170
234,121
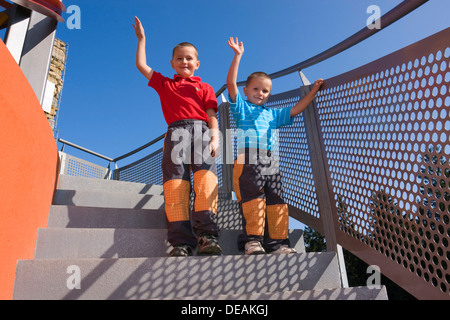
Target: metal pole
227,151
37,52
16,31
319,167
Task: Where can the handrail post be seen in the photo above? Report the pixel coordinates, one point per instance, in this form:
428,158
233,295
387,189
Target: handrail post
319,167
109,172
227,166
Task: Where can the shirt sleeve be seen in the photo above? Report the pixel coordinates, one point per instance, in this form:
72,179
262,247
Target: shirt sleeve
209,99
237,108
283,117
156,81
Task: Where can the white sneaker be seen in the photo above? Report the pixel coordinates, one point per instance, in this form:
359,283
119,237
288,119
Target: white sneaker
254,247
284,250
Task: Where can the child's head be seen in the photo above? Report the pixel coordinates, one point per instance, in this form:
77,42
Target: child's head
185,59
258,88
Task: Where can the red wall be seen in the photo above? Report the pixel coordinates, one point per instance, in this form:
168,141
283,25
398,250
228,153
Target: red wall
28,169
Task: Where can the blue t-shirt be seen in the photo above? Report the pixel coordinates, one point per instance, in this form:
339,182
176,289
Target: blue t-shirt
257,125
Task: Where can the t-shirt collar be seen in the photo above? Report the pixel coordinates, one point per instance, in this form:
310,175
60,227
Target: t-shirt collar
191,79
257,105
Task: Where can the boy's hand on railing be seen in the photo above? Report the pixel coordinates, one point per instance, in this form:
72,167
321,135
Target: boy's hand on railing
237,47
317,84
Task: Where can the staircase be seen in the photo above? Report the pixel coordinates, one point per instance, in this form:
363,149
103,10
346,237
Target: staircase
107,240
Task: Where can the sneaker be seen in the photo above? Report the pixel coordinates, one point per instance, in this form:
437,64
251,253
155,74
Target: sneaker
284,250
181,251
208,244
254,247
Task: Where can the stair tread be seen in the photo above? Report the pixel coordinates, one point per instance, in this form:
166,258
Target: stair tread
150,278
54,243
69,182
108,199
72,216
114,233
351,293
64,216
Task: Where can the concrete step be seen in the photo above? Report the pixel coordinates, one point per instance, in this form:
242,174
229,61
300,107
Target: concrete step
66,243
89,192
164,278
108,199
353,293
228,215
70,216
68,182
61,216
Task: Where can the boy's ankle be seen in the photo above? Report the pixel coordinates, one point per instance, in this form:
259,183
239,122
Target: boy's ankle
254,247
181,250
208,244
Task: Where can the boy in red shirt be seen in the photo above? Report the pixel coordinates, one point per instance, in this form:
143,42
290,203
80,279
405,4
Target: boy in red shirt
189,107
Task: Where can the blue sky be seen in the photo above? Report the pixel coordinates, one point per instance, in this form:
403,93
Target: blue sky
106,103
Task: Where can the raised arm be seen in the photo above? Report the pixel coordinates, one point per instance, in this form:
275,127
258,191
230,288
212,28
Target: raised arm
238,49
306,101
141,58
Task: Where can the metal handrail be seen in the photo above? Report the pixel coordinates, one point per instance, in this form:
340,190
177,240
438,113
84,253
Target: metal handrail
65,142
387,19
140,148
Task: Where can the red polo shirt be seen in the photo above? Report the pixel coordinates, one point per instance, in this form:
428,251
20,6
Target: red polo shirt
183,98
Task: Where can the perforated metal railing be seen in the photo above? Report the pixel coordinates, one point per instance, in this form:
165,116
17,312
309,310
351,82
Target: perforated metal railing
386,137
299,186
146,170
74,166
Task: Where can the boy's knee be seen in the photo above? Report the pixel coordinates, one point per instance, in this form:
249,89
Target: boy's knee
176,197
278,221
206,191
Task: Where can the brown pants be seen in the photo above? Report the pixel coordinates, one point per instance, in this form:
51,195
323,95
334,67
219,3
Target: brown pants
258,188
184,155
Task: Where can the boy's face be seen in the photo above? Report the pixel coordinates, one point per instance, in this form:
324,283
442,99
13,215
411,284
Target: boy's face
185,61
258,90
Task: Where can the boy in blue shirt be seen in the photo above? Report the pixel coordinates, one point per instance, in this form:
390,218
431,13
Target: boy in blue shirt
256,178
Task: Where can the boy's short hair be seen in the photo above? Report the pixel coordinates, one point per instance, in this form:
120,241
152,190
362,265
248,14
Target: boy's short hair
257,74
182,45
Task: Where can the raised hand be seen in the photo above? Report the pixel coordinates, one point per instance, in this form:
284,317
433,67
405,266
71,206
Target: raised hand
237,47
138,28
